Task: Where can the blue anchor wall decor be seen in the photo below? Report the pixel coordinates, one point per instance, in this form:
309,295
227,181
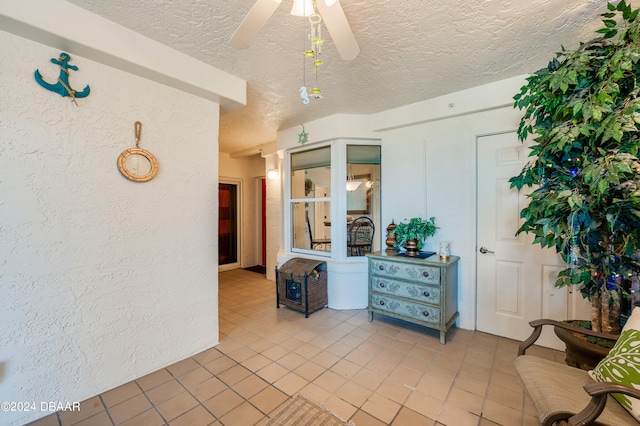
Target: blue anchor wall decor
62,86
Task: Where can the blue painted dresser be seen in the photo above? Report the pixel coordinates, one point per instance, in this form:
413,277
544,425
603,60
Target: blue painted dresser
421,291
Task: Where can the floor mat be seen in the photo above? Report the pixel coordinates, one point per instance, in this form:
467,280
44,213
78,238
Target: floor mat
259,269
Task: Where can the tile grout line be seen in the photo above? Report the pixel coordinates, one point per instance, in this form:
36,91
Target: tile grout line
153,406
232,388
106,409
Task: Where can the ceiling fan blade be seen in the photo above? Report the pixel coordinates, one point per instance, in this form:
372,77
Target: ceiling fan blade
258,15
338,26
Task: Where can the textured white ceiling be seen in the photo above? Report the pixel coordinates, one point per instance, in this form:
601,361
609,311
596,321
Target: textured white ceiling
411,50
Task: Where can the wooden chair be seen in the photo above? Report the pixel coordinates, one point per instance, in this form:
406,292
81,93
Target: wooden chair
360,236
319,242
564,395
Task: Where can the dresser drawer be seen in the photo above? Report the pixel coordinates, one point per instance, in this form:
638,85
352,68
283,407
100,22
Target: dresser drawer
418,292
413,310
407,271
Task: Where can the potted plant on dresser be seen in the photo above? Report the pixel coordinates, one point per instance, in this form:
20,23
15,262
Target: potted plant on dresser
411,233
582,110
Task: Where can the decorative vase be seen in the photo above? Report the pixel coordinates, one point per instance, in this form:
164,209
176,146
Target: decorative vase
391,238
412,247
579,352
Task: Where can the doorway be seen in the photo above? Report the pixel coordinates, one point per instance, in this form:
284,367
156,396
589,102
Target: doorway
515,279
228,225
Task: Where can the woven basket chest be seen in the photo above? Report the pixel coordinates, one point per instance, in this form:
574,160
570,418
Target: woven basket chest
301,284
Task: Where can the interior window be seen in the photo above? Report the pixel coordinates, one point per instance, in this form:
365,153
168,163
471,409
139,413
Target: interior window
310,199
363,199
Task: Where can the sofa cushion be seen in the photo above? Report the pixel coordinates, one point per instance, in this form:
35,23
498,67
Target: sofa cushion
622,366
633,323
556,391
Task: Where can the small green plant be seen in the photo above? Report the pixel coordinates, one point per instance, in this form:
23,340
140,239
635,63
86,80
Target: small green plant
415,229
308,186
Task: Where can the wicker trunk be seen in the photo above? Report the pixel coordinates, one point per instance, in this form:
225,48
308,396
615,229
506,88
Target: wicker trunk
301,284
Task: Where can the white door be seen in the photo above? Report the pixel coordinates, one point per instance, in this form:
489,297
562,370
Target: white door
515,278
322,216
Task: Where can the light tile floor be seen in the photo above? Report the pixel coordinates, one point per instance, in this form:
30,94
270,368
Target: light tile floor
384,372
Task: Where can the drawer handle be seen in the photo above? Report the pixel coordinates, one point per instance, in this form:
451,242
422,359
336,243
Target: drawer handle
426,293
381,267
425,274
381,285
425,313
382,303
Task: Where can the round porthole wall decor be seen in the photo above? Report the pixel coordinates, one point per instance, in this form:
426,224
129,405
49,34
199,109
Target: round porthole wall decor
137,164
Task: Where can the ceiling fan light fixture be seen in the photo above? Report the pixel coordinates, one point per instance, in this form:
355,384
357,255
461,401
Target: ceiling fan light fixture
352,185
302,8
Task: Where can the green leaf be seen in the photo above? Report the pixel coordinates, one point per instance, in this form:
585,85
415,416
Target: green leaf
575,279
602,186
623,168
576,109
597,114
575,200
621,6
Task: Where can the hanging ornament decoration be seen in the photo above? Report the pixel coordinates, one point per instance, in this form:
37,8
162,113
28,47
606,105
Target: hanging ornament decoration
304,95
303,137
315,42
62,86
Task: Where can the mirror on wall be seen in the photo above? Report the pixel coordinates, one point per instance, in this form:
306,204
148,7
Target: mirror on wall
137,165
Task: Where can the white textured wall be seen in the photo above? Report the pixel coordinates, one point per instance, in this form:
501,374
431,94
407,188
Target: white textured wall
102,280
429,164
434,144
438,178
274,213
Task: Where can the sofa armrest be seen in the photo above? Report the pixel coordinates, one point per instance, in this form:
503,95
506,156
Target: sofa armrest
605,388
539,323
599,392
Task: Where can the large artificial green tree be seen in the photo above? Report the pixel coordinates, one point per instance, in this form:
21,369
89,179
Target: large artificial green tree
583,111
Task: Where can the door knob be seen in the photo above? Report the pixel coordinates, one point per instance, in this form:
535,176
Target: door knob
484,250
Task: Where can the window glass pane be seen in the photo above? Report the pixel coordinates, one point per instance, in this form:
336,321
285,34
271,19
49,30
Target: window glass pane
363,199
311,225
313,158
363,154
311,173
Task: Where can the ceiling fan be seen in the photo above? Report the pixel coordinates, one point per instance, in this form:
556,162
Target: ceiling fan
330,11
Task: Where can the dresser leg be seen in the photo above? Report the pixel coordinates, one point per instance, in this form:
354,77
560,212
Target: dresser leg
370,316
443,337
